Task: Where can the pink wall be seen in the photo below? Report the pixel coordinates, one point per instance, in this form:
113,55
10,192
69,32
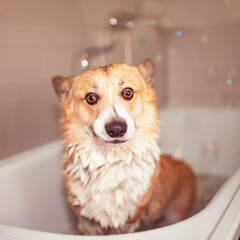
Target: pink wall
198,71
40,39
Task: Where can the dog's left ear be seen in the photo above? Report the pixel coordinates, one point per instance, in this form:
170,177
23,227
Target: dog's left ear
62,86
147,70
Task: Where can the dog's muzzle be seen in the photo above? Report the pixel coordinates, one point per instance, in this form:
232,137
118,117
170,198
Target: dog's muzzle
114,125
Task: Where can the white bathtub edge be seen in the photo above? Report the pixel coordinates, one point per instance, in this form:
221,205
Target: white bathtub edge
32,153
205,223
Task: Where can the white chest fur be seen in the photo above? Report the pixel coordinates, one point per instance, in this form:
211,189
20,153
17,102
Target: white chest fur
110,183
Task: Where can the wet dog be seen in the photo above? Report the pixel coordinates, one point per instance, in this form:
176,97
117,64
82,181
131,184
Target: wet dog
116,179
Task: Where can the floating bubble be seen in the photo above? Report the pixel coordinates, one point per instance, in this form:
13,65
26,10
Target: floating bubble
179,33
209,150
113,21
159,58
233,71
204,38
152,22
130,24
229,81
84,63
210,146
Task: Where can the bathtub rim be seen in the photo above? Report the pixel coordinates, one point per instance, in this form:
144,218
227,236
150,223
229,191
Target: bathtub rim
222,198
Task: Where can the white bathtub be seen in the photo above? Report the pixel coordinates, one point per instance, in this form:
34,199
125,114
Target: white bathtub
32,200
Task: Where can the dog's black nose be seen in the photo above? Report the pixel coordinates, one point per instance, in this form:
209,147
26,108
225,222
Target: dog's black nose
116,129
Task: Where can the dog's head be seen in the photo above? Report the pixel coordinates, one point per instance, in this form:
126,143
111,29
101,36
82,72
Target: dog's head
110,104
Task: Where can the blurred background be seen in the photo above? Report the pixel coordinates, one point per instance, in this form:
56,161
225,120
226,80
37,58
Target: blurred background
194,44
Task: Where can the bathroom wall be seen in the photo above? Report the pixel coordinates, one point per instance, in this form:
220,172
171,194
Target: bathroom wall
203,68
38,40
194,45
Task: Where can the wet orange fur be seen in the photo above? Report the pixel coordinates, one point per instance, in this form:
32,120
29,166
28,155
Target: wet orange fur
172,185
172,188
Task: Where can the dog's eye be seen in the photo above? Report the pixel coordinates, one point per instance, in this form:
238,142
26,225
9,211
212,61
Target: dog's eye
127,93
91,98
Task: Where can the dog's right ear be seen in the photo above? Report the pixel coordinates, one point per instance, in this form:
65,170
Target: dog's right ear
62,86
147,70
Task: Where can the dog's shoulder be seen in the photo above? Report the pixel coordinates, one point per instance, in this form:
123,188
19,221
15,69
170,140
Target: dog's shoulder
173,165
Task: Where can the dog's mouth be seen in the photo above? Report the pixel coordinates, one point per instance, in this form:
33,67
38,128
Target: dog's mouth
116,141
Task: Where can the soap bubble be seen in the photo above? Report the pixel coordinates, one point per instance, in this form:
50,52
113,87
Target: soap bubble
204,38
179,33
84,63
209,150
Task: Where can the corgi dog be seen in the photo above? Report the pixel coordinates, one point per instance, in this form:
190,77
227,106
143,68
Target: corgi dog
116,179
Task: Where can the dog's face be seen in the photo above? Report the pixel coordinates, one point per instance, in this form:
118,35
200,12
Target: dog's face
108,103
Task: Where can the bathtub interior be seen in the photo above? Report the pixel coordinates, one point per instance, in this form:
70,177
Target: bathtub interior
32,193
